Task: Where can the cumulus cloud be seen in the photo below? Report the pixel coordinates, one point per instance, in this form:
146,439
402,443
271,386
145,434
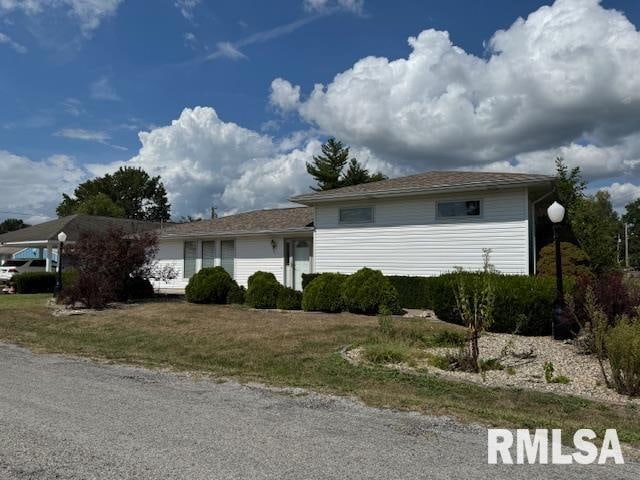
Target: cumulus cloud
564,75
284,96
45,180
622,194
89,14
7,40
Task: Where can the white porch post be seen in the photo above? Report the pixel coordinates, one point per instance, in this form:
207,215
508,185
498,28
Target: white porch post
48,262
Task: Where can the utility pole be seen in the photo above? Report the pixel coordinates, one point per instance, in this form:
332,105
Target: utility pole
626,245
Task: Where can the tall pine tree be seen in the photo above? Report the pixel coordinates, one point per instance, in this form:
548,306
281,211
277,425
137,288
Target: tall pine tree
327,169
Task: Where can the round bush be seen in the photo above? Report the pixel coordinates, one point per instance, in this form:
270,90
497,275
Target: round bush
137,288
263,290
370,292
209,285
268,276
324,294
236,294
289,299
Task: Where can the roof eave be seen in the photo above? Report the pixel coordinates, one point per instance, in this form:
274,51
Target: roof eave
312,199
239,233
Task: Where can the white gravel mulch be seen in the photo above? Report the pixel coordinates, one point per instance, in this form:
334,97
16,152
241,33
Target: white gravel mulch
527,356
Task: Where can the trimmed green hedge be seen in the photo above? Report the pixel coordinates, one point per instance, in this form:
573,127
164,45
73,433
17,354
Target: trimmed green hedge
263,290
523,304
237,294
324,293
209,285
289,299
41,282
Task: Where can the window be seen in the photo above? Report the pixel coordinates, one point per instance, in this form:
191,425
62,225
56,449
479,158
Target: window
190,252
14,263
227,255
469,208
208,254
38,263
356,215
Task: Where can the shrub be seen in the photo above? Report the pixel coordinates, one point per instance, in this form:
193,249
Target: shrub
611,294
138,288
522,304
368,291
268,276
106,262
324,293
237,294
209,285
623,349
413,292
34,282
307,278
574,260
263,290
289,299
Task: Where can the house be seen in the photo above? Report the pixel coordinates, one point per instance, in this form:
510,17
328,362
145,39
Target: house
424,224
43,237
7,253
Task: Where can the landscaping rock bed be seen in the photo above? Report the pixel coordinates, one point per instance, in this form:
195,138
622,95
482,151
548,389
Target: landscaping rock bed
523,359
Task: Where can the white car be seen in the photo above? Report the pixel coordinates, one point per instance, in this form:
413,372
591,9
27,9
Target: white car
10,267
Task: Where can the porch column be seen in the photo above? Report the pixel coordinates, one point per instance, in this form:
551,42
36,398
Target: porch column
48,264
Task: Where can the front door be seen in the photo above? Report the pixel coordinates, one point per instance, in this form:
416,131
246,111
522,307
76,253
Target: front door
298,255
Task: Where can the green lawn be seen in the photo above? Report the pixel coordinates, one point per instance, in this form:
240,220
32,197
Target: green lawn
296,349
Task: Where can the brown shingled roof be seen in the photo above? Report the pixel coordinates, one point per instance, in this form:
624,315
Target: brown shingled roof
255,222
426,182
73,225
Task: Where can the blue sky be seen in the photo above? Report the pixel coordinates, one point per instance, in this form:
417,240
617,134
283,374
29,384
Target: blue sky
82,78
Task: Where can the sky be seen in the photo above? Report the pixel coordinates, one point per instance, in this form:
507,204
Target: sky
227,100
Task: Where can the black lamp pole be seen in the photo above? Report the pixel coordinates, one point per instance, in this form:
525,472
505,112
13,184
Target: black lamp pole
58,288
558,314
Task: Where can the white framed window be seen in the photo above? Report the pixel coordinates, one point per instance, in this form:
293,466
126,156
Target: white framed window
356,215
208,253
190,253
228,255
459,208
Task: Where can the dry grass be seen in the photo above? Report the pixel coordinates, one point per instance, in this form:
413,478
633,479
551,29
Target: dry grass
296,349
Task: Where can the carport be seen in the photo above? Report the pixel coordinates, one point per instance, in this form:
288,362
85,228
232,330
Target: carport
44,236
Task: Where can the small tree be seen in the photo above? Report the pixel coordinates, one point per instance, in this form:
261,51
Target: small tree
12,224
574,260
475,298
106,264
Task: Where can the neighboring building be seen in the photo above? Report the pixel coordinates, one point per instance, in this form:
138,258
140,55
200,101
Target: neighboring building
43,237
424,224
7,253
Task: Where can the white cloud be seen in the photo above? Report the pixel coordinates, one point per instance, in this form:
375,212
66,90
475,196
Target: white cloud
284,96
87,136
565,75
45,181
102,89
12,43
187,7
228,50
354,6
89,14
622,194
73,106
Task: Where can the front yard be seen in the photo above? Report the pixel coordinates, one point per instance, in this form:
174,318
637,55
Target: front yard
299,350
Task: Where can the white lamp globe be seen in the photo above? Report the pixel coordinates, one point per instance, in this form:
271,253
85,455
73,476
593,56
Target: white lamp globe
62,237
555,212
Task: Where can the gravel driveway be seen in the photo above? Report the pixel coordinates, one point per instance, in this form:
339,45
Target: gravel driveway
68,418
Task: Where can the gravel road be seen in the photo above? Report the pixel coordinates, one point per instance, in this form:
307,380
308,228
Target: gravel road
68,418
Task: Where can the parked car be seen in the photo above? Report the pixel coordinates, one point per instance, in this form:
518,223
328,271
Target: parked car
10,267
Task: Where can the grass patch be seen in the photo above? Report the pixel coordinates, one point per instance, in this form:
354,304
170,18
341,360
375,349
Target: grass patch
298,350
561,379
439,361
383,353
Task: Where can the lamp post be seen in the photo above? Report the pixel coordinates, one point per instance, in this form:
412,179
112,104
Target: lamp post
558,327
62,237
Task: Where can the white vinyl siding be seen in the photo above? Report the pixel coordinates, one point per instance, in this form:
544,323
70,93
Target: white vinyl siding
190,255
408,238
227,256
257,253
208,254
